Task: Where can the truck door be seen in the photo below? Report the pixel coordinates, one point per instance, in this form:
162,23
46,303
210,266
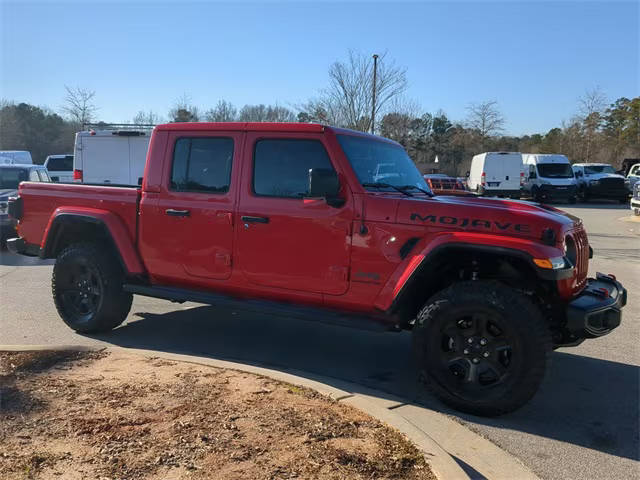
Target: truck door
285,239
186,234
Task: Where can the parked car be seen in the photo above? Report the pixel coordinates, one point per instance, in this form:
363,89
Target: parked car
444,185
287,218
548,177
20,157
496,174
600,180
10,178
110,156
60,168
635,199
634,176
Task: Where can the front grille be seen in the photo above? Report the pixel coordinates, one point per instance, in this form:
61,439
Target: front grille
582,257
612,183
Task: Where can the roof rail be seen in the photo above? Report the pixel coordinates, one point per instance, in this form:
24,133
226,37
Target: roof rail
117,126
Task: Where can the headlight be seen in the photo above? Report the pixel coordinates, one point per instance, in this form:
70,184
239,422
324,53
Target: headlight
594,182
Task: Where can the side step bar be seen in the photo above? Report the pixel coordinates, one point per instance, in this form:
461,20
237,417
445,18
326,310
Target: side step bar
269,307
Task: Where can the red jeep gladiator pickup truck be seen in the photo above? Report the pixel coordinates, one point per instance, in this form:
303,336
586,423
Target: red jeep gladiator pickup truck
291,218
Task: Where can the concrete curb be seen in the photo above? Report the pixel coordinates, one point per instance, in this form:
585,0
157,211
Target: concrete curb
444,440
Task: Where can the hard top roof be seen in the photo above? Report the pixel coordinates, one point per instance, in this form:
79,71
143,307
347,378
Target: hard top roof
266,127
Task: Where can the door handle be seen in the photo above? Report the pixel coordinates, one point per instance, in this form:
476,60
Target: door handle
177,213
248,219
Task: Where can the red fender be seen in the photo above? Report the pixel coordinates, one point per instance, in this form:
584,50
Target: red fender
121,237
423,249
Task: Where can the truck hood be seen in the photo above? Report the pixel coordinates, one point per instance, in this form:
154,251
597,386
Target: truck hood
600,176
6,193
486,215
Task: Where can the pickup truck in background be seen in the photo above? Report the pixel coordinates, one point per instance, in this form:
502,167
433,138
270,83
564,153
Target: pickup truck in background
293,219
600,180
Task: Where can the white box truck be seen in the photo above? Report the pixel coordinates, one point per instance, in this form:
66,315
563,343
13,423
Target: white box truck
548,177
110,156
496,174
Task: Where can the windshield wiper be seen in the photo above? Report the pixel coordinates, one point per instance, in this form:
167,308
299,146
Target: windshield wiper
385,185
407,187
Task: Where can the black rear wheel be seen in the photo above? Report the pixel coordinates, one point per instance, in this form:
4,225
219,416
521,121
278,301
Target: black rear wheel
482,347
87,288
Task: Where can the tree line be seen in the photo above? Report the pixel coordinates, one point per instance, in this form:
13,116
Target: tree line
598,131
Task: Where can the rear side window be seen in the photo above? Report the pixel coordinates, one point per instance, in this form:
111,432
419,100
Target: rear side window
44,175
202,165
63,164
281,167
33,176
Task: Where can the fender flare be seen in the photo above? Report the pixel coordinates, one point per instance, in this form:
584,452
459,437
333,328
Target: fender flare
425,251
112,226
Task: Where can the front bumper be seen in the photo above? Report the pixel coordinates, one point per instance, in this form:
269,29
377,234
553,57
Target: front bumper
598,308
555,191
598,191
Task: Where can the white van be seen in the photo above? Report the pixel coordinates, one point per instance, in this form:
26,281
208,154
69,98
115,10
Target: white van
548,177
15,157
496,173
110,156
60,168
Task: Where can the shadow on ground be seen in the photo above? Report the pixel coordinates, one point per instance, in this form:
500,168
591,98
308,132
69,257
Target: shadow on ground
584,401
9,259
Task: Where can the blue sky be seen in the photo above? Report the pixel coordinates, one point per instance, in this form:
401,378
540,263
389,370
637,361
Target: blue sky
534,58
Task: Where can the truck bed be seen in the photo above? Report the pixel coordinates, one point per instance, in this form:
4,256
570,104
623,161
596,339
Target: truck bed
40,200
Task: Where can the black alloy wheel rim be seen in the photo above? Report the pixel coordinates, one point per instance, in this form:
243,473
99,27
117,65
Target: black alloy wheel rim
475,353
81,291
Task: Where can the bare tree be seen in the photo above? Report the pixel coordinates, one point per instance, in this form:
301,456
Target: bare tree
590,108
79,106
347,101
223,112
486,119
146,118
266,113
184,111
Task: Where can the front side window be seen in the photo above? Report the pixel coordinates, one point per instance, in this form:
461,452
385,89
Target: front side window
202,165
377,162
281,166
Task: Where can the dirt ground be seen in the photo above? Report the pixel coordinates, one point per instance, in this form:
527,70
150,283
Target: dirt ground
73,415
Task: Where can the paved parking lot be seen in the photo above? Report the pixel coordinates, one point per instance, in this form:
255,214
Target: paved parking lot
582,424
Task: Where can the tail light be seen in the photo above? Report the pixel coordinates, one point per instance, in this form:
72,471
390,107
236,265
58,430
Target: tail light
483,179
77,175
521,178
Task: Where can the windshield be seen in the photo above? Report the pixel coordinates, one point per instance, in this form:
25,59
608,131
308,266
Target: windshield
375,161
11,177
555,170
591,169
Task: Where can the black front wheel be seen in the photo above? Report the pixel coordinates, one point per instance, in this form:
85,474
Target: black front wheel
87,288
481,347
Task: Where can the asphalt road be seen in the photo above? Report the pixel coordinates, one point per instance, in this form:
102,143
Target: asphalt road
583,424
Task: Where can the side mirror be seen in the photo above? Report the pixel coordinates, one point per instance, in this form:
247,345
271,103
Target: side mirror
323,182
467,174
533,175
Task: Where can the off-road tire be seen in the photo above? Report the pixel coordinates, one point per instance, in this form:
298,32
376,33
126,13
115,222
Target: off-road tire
108,306
519,318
